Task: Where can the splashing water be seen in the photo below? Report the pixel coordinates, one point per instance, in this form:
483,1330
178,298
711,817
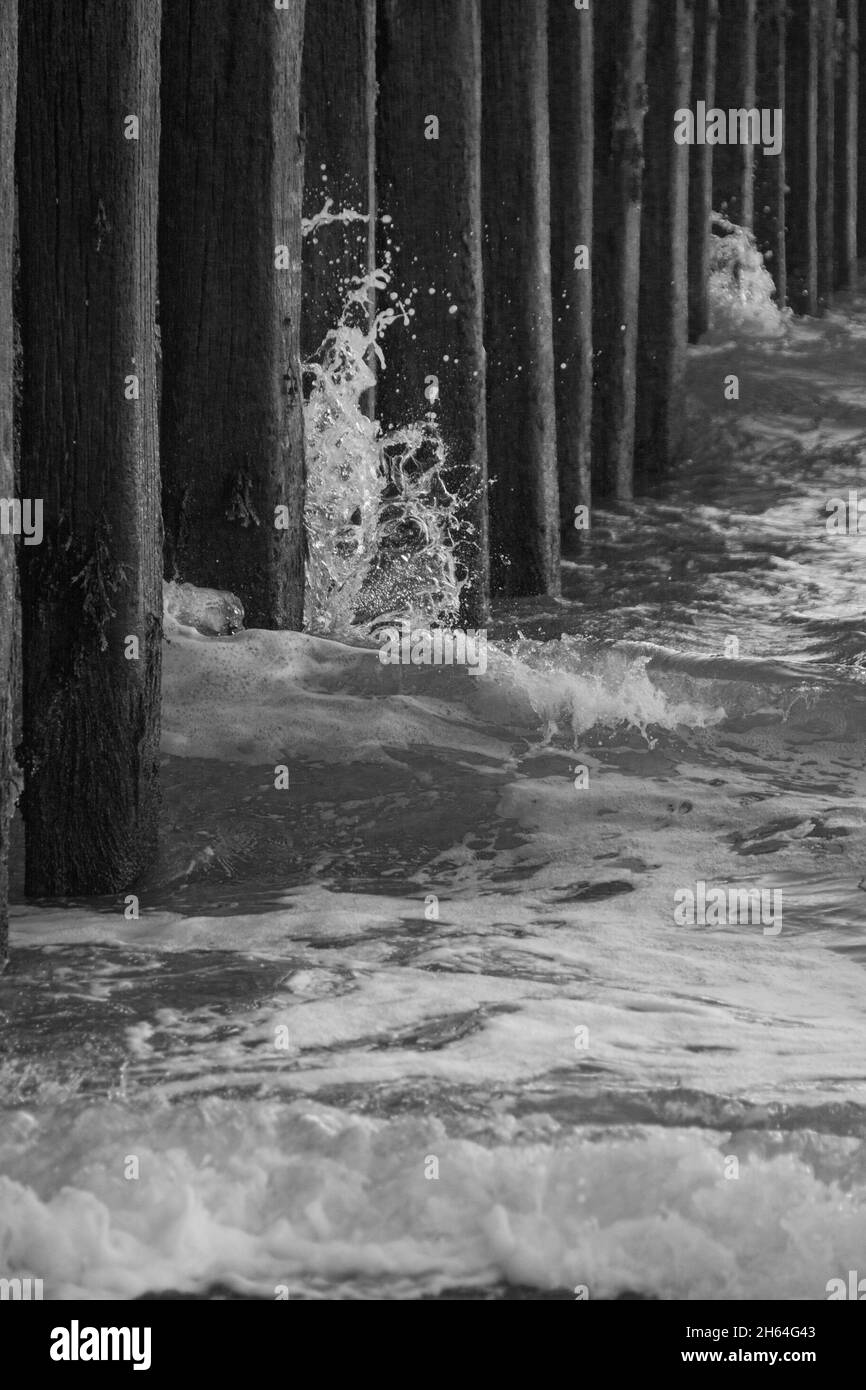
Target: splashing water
326,216
381,522
741,287
212,612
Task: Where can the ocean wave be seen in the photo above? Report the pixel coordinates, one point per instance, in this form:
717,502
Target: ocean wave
259,1198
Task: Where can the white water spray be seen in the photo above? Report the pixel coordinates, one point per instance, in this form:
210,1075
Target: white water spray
741,287
380,520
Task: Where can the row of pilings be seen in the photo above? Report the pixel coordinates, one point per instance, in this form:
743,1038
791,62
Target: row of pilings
155,166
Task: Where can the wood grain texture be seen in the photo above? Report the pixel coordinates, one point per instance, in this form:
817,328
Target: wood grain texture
572,140
771,170
664,284
828,52
88,207
338,116
621,100
518,308
8,92
736,86
701,168
232,411
429,64
801,139
847,144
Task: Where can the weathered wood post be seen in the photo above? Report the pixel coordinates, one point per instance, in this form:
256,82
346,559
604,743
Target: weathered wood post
518,316
8,90
701,169
620,95
861,108
338,117
847,145
736,77
771,170
664,273
827,55
429,182
572,118
230,302
801,141
88,152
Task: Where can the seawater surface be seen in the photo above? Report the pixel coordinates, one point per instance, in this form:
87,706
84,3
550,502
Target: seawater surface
423,1023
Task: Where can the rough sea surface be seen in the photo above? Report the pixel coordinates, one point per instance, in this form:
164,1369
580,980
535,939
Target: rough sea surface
423,1022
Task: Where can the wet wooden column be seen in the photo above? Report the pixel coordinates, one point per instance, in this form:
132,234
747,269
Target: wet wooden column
801,146
428,163
572,122
338,117
771,170
8,88
518,308
91,589
664,273
847,145
231,178
736,79
701,168
620,94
